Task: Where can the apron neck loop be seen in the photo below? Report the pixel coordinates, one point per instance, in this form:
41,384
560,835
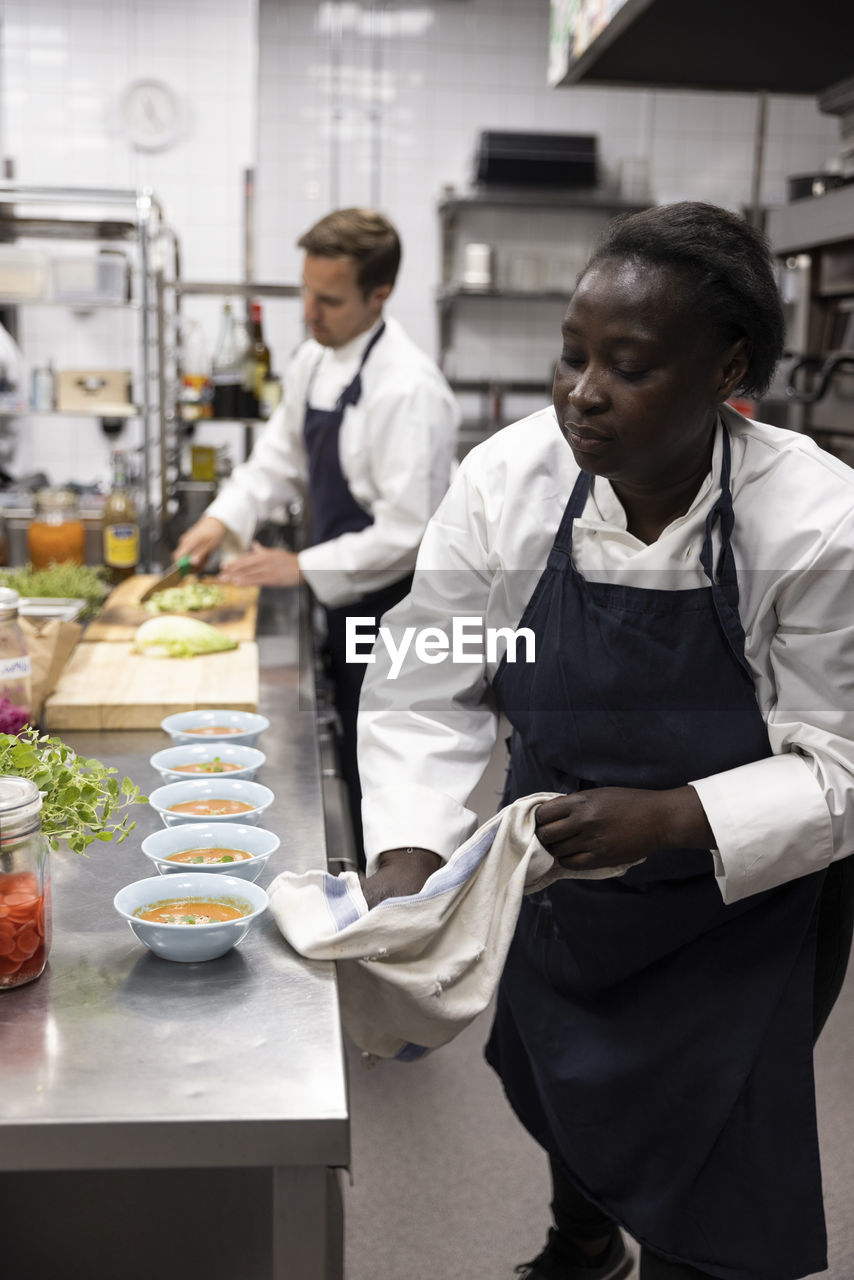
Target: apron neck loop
353,391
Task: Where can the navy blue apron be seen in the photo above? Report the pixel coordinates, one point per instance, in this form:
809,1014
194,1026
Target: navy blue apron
334,511
655,1041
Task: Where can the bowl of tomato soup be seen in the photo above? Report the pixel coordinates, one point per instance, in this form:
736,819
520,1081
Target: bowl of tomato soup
207,760
211,799
238,728
218,848
192,916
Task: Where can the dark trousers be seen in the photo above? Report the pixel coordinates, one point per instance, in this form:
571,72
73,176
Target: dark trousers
576,1217
347,684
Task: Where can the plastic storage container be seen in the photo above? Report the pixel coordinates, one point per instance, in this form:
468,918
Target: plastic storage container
15,668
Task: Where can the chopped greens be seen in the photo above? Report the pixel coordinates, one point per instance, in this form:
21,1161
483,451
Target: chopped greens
213,766
188,598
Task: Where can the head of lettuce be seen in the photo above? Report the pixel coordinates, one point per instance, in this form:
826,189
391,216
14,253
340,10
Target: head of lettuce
179,637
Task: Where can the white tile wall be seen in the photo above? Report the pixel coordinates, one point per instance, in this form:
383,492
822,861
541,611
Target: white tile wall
390,120
477,65
64,65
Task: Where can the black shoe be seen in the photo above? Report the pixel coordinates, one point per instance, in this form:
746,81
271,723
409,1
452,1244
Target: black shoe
561,1260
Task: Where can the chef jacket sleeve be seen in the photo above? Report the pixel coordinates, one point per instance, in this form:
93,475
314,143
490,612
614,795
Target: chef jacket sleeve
410,434
426,721
275,470
793,813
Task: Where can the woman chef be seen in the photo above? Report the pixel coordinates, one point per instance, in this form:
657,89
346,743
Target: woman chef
685,573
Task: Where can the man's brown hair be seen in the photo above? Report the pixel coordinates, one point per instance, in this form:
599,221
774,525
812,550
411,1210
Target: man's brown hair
363,235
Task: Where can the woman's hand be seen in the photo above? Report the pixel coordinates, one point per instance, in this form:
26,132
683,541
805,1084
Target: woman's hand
400,872
611,826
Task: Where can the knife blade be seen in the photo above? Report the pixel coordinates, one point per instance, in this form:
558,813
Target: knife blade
171,578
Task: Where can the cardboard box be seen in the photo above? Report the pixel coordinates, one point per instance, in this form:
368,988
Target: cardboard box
104,392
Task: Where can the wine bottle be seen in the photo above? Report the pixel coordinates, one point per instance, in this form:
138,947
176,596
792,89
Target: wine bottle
227,371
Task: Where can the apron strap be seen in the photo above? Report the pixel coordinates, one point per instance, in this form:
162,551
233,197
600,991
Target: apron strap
352,393
723,577
575,506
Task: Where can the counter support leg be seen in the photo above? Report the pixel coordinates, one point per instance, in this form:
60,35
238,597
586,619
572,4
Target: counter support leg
308,1226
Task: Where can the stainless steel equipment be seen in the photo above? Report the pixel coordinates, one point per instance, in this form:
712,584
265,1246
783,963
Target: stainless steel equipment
814,240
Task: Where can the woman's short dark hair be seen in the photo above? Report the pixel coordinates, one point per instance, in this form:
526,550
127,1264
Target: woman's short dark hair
363,235
727,265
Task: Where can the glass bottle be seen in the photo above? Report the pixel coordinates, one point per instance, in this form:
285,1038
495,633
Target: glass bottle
259,349
196,393
15,668
56,534
227,371
25,917
121,524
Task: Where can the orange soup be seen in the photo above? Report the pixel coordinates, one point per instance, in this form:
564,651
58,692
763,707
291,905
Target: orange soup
192,911
209,855
206,730
207,766
207,808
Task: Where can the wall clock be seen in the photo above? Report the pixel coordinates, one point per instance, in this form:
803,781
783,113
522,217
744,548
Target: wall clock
151,114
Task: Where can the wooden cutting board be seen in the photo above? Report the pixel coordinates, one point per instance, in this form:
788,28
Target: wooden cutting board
106,686
122,613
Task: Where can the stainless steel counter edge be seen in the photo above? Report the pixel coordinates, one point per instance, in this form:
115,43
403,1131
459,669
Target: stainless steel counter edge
115,1058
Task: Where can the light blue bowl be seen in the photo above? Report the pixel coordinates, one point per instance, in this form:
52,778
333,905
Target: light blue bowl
257,841
190,942
250,726
248,760
219,788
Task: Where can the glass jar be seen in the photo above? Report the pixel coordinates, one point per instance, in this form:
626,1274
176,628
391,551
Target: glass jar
56,533
15,667
25,920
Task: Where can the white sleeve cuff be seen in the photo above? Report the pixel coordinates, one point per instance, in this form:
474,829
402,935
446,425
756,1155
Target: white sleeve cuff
331,586
770,821
399,816
232,509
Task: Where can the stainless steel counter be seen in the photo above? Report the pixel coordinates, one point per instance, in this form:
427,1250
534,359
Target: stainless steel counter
205,1103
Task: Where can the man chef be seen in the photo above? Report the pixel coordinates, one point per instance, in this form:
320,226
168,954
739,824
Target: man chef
365,433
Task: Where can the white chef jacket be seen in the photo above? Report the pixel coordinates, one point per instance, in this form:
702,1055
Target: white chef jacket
426,736
397,448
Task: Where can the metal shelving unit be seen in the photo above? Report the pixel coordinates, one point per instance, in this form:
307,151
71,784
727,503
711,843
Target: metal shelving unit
497,299
245,289
133,218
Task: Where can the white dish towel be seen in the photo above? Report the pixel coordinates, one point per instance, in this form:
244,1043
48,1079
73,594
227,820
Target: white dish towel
413,972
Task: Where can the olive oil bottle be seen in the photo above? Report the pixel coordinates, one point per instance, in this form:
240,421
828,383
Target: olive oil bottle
121,524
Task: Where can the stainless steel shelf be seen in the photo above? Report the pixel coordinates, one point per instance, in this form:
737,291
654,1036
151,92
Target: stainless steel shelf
452,293
510,387
77,304
809,224
584,198
671,44
108,411
238,289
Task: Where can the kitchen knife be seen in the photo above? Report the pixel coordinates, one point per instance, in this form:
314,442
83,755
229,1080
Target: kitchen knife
171,578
